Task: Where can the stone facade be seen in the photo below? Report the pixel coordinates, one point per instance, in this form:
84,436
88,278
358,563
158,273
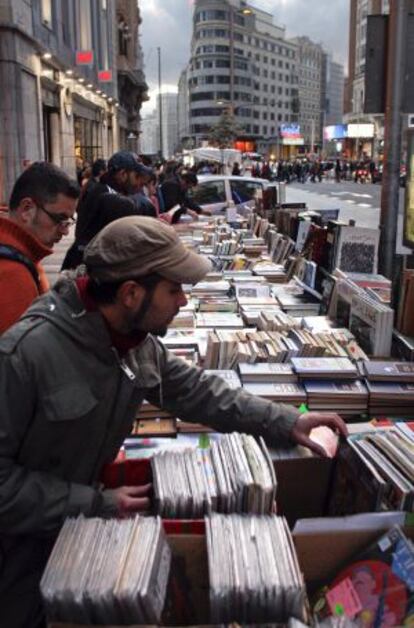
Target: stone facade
53,109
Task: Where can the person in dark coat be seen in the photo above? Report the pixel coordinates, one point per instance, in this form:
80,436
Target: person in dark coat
106,200
174,191
236,172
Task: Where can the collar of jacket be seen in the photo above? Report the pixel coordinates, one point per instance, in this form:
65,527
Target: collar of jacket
13,234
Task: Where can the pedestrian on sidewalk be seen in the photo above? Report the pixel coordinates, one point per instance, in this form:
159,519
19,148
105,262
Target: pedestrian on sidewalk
41,209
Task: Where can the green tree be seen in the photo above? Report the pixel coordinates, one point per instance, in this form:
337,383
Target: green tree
225,131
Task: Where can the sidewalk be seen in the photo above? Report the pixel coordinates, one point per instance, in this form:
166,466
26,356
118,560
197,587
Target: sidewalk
52,263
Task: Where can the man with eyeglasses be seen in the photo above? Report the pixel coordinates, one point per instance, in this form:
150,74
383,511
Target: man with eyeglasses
41,209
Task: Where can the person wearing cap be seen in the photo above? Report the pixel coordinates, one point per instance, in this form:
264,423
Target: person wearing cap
174,191
108,199
73,373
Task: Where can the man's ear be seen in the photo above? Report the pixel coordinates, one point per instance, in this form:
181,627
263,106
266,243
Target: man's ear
130,294
25,210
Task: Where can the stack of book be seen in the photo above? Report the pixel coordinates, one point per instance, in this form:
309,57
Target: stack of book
107,572
226,247
251,313
254,572
325,368
388,457
293,394
391,388
349,399
280,246
275,273
219,288
267,373
370,320
298,304
228,349
316,345
219,320
277,321
235,474
185,319
217,304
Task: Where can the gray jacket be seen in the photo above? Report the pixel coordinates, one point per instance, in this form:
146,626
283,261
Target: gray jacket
68,402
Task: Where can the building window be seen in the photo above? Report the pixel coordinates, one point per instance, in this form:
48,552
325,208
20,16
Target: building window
47,12
84,25
206,16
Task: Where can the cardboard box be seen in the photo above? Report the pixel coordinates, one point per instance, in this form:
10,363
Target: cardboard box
321,555
303,483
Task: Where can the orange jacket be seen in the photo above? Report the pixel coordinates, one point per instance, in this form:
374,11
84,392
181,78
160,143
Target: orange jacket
17,287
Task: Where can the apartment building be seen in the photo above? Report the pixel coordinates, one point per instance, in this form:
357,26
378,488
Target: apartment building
312,73
240,61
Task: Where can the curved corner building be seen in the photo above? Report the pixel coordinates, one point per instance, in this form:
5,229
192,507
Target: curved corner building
240,61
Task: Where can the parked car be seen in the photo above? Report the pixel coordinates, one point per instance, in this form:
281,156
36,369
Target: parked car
214,192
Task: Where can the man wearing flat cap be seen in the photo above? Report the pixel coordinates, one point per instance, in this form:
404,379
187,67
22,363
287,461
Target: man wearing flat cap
73,372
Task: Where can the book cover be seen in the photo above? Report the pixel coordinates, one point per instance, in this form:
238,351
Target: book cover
376,588
357,249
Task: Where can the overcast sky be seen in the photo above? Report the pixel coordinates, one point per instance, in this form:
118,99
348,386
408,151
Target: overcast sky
168,24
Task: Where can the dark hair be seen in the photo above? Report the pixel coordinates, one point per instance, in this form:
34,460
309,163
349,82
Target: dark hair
43,182
104,293
97,167
189,177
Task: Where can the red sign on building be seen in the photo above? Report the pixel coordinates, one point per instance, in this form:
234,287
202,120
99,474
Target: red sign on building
105,76
84,57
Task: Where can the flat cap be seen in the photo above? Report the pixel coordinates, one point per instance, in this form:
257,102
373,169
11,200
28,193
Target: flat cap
137,246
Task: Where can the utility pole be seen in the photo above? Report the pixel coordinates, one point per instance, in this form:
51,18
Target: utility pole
397,37
160,103
312,146
231,16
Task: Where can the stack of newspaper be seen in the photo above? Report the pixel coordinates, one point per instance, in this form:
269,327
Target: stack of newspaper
253,569
107,572
235,474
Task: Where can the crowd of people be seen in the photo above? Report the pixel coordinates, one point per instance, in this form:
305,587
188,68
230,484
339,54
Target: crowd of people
77,360
313,170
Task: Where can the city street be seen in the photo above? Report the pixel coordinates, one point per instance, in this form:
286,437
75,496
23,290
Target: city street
359,202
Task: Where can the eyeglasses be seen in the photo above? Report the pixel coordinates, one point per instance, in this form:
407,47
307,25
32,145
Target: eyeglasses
58,219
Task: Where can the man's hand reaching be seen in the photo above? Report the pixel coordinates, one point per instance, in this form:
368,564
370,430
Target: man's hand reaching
132,499
308,421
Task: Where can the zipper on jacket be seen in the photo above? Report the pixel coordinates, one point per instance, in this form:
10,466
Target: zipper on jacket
124,366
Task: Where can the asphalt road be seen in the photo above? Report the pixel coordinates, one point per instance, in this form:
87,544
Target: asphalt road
356,201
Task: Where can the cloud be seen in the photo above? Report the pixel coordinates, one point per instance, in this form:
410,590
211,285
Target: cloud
168,24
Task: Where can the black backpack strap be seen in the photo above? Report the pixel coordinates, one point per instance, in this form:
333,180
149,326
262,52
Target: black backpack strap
11,253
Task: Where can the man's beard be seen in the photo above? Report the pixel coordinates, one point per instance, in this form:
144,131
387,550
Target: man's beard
161,332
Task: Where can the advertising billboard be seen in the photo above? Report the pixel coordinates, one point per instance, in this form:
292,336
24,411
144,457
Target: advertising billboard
290,131
335,132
